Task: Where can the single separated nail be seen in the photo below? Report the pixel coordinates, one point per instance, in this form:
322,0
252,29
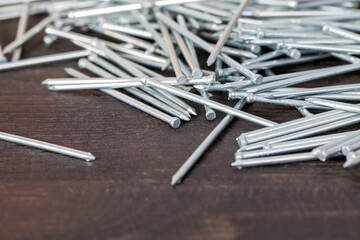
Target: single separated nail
47,146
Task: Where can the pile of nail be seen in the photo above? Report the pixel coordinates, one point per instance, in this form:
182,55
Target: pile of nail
244,41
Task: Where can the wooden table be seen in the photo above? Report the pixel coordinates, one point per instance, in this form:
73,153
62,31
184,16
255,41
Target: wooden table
126,192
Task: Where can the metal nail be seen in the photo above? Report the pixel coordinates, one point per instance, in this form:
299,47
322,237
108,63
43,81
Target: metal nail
174,60
47,146
187,165
221,42
44,60
274,160
335,105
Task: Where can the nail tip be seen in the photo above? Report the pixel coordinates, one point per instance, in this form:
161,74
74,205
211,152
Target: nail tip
175,180
192,111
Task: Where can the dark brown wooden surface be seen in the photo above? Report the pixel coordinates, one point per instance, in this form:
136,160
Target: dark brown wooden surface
126,192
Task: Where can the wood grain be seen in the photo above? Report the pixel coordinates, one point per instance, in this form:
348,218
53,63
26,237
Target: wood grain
126,192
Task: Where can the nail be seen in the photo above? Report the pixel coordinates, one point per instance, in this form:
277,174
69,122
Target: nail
174,60
172,121
225,35
322,48
339,97
181,20
335,105
196,72
127,30
215,105
319,90
285,102
262,33
271,152
47,146
187,165
274,160
44,60
306,78
345,57
110,81
341,33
